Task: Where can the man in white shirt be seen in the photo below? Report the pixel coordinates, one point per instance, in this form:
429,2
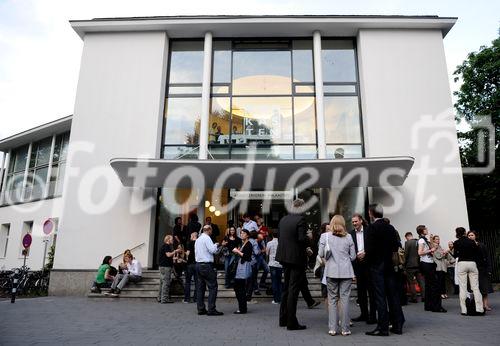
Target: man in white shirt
275,268
204,249
249,224
133,273
362,273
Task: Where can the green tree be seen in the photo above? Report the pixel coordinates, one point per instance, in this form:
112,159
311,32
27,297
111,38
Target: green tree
479,96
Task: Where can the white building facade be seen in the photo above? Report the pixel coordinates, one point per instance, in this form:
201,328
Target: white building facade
160,96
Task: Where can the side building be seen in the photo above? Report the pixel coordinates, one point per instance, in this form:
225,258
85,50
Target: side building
32,179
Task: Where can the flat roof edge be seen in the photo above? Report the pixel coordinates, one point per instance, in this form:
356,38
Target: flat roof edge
172,23
58,125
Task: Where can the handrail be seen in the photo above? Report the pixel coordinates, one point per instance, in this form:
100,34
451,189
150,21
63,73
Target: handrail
133,248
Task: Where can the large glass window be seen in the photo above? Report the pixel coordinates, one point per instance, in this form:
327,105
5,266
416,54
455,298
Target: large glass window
186,62
342,119
183,104
305,120
182,120
15,174
263,96
303,71
33,179
38,169
262,120
262,73
59,165
338,60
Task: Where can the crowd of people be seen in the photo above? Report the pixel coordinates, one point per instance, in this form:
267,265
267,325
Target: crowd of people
388,273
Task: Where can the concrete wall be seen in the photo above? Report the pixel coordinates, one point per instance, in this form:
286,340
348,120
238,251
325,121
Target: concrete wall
118,113
16,215
403,79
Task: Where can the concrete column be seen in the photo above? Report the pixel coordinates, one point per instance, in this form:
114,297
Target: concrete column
318,86
205,97
320,119
49,170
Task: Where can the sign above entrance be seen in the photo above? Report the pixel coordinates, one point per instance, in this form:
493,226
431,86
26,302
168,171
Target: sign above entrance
260,195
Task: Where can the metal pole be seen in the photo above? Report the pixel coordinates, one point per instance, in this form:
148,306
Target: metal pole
46,241
15,283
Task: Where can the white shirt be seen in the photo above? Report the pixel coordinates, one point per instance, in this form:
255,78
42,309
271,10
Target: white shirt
271,249
428,257
360,240
134,268
251,226
204,249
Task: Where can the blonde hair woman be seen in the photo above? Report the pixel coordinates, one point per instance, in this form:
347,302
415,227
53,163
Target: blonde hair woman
336,247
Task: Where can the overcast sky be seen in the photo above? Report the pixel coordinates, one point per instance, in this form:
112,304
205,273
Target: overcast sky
40,53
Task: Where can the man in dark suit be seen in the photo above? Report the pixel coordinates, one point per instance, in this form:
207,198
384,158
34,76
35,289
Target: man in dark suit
382,241
361,271
291,254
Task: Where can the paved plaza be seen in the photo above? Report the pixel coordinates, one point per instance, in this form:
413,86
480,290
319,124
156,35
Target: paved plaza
83,321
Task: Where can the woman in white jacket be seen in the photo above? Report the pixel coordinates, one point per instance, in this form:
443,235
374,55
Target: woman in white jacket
336,247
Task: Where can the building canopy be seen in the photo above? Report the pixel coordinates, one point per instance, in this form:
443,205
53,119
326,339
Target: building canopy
263,174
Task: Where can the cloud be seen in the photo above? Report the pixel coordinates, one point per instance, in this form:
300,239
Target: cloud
40,53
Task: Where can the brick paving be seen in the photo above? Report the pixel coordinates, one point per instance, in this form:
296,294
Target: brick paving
83,321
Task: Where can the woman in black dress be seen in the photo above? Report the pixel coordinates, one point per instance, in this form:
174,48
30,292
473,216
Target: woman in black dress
243,271
484,269
230,242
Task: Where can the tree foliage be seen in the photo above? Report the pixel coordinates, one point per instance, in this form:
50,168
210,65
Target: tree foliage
477,97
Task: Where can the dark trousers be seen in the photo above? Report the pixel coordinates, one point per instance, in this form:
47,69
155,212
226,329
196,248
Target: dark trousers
190,274
306,294
294,279
365,292
206,277
228,278
432,295
387,297
240,291
441,279
276,275
261,264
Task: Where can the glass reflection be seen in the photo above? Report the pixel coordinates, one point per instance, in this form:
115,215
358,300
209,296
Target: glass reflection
305,120
176,152
338,61
344,151
222,62
186,62
342,119
182,123
347,201
262,73
272,152
219,120
306,152
261,120
303,61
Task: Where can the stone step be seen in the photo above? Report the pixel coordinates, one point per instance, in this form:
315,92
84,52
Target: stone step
148,287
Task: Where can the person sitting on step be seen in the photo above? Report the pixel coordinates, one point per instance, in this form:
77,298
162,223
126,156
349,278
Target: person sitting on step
132,272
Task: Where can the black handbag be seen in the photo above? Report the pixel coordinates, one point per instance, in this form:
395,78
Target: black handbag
233,267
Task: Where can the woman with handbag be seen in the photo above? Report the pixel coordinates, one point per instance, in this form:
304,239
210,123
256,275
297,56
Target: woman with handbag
231,241
337,248
428,268
242,271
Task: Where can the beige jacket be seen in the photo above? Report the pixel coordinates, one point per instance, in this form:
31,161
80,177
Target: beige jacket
442,260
